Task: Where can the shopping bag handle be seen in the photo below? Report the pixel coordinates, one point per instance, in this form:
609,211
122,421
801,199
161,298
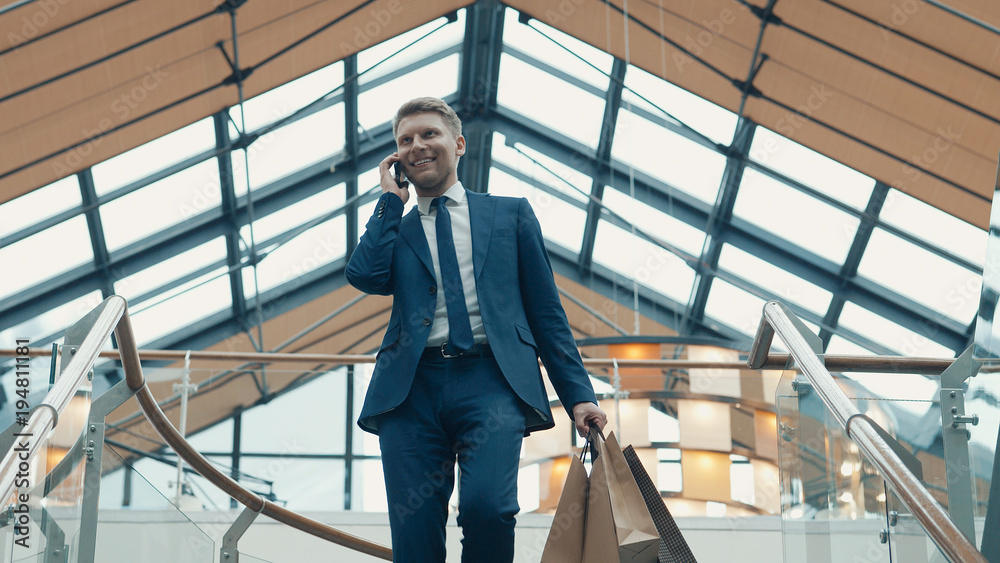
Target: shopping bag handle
591,439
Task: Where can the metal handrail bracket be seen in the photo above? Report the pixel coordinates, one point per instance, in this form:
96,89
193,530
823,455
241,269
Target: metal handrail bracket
779,319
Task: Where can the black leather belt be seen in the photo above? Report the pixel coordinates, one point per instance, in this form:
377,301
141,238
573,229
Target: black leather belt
442,352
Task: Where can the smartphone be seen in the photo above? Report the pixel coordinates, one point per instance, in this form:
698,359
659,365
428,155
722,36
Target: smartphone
401,180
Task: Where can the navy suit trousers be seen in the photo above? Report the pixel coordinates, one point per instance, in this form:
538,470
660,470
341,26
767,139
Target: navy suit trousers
458,409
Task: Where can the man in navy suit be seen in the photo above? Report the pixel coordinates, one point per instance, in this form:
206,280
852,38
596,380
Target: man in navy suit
456,376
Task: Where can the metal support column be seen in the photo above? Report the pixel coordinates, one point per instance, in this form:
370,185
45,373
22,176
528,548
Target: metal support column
955,435
477,90
94,449
351,148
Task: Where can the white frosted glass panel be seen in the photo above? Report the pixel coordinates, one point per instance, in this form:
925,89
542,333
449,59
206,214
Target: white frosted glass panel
650,265
182,307
561,222
703,116
290,148
311,249
296,214
655,223
154,156
735,307
935,226
572,59
162,204
922,276
448,36
40,204
546,170
379,105
900,339
549,101
170,269
43,255
783,285
841,346
811,168
668,157
802,219
52,322
286,99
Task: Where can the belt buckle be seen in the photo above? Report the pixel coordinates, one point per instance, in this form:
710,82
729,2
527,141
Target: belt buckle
446,355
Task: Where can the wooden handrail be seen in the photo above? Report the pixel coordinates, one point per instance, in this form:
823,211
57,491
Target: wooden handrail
836,363
136,382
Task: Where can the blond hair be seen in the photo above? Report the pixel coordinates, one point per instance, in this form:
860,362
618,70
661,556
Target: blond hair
428,104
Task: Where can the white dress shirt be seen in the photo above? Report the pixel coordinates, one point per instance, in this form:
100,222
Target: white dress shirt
461,231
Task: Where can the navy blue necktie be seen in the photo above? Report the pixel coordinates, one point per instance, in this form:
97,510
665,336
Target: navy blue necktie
459,327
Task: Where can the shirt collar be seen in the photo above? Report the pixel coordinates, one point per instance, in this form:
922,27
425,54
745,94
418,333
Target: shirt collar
455,193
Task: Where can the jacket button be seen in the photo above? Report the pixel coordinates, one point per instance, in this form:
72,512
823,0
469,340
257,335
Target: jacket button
432,290
427,321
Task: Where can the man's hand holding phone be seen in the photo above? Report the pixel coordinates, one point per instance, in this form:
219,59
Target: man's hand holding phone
392,178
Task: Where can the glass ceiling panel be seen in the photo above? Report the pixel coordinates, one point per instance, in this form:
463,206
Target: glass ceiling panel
44,255
901,340
171,269
295,215
448,36
38,205
379,105
634,258
290,148
563,52
808,222
54,321
842,346
168,202
561,222
154,155
655,223
564,108
182,307
734,307
811,168
929,223
311,249
541,167
921,275
643,90
286,99
668,157
782,285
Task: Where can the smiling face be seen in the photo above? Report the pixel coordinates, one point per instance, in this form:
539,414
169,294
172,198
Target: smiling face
429,152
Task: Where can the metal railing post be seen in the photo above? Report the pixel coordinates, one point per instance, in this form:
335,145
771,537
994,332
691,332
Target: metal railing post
94,449
229,553
955,437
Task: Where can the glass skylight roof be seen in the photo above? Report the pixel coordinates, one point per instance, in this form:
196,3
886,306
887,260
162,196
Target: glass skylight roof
792,203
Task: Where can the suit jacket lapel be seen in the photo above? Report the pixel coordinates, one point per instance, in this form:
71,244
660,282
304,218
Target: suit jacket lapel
481,208
412,232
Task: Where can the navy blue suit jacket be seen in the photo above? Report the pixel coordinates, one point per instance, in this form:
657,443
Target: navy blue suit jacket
520,307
